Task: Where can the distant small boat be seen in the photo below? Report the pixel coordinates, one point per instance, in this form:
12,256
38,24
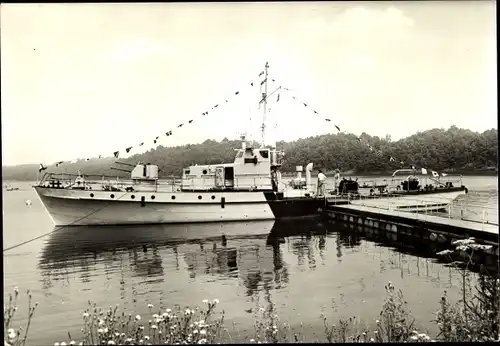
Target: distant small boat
12,188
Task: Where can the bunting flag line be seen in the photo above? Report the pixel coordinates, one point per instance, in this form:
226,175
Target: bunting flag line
371,148
42,168
116,153
305,104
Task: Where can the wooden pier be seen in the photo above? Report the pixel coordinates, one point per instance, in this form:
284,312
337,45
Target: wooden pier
434,228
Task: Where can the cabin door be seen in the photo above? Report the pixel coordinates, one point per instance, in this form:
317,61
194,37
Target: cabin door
219,176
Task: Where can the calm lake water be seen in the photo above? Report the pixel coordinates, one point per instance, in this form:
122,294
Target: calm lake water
302,267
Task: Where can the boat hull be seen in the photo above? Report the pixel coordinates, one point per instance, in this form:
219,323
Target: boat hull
86,207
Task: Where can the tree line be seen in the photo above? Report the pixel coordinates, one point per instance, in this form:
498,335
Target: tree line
452,150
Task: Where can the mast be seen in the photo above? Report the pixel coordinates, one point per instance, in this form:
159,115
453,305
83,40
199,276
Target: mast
264,108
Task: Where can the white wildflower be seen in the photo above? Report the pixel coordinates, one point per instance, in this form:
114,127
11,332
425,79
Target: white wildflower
463,242
155,316
146,337
150,306
100,330
203,332
168,310
216,301
101,322
205,301
462,248
16,289
137,317
372,340
187,311
414,337
195,331
427,338
85,314
252,340
154,326
12,333
111,342
63,343
56,344
444,252
72,342
202,341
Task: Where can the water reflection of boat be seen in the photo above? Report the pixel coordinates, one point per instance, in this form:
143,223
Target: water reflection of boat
80,242
203,247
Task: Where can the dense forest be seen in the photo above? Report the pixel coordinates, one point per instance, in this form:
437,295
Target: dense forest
453,150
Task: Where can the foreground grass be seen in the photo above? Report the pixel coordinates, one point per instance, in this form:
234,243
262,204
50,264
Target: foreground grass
475,317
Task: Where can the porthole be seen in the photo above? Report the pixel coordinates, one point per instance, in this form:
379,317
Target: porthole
205,171
133,196
153,197
91,195
112,196
173,197
213,197
199,197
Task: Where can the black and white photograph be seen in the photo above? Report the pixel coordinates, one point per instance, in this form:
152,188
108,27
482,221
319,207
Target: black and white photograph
249,172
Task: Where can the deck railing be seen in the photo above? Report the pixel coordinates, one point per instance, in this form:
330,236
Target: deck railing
457,209
172,184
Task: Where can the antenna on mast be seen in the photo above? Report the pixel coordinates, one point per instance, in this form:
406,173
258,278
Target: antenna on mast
264,100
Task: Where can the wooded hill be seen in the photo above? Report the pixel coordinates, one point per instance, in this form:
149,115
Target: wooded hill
452,150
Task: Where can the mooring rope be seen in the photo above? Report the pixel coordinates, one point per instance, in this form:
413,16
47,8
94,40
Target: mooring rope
61,227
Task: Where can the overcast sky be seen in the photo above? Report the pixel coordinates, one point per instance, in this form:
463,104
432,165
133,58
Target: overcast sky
80,80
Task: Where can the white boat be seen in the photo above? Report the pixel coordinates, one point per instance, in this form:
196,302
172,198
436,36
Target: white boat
250,188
